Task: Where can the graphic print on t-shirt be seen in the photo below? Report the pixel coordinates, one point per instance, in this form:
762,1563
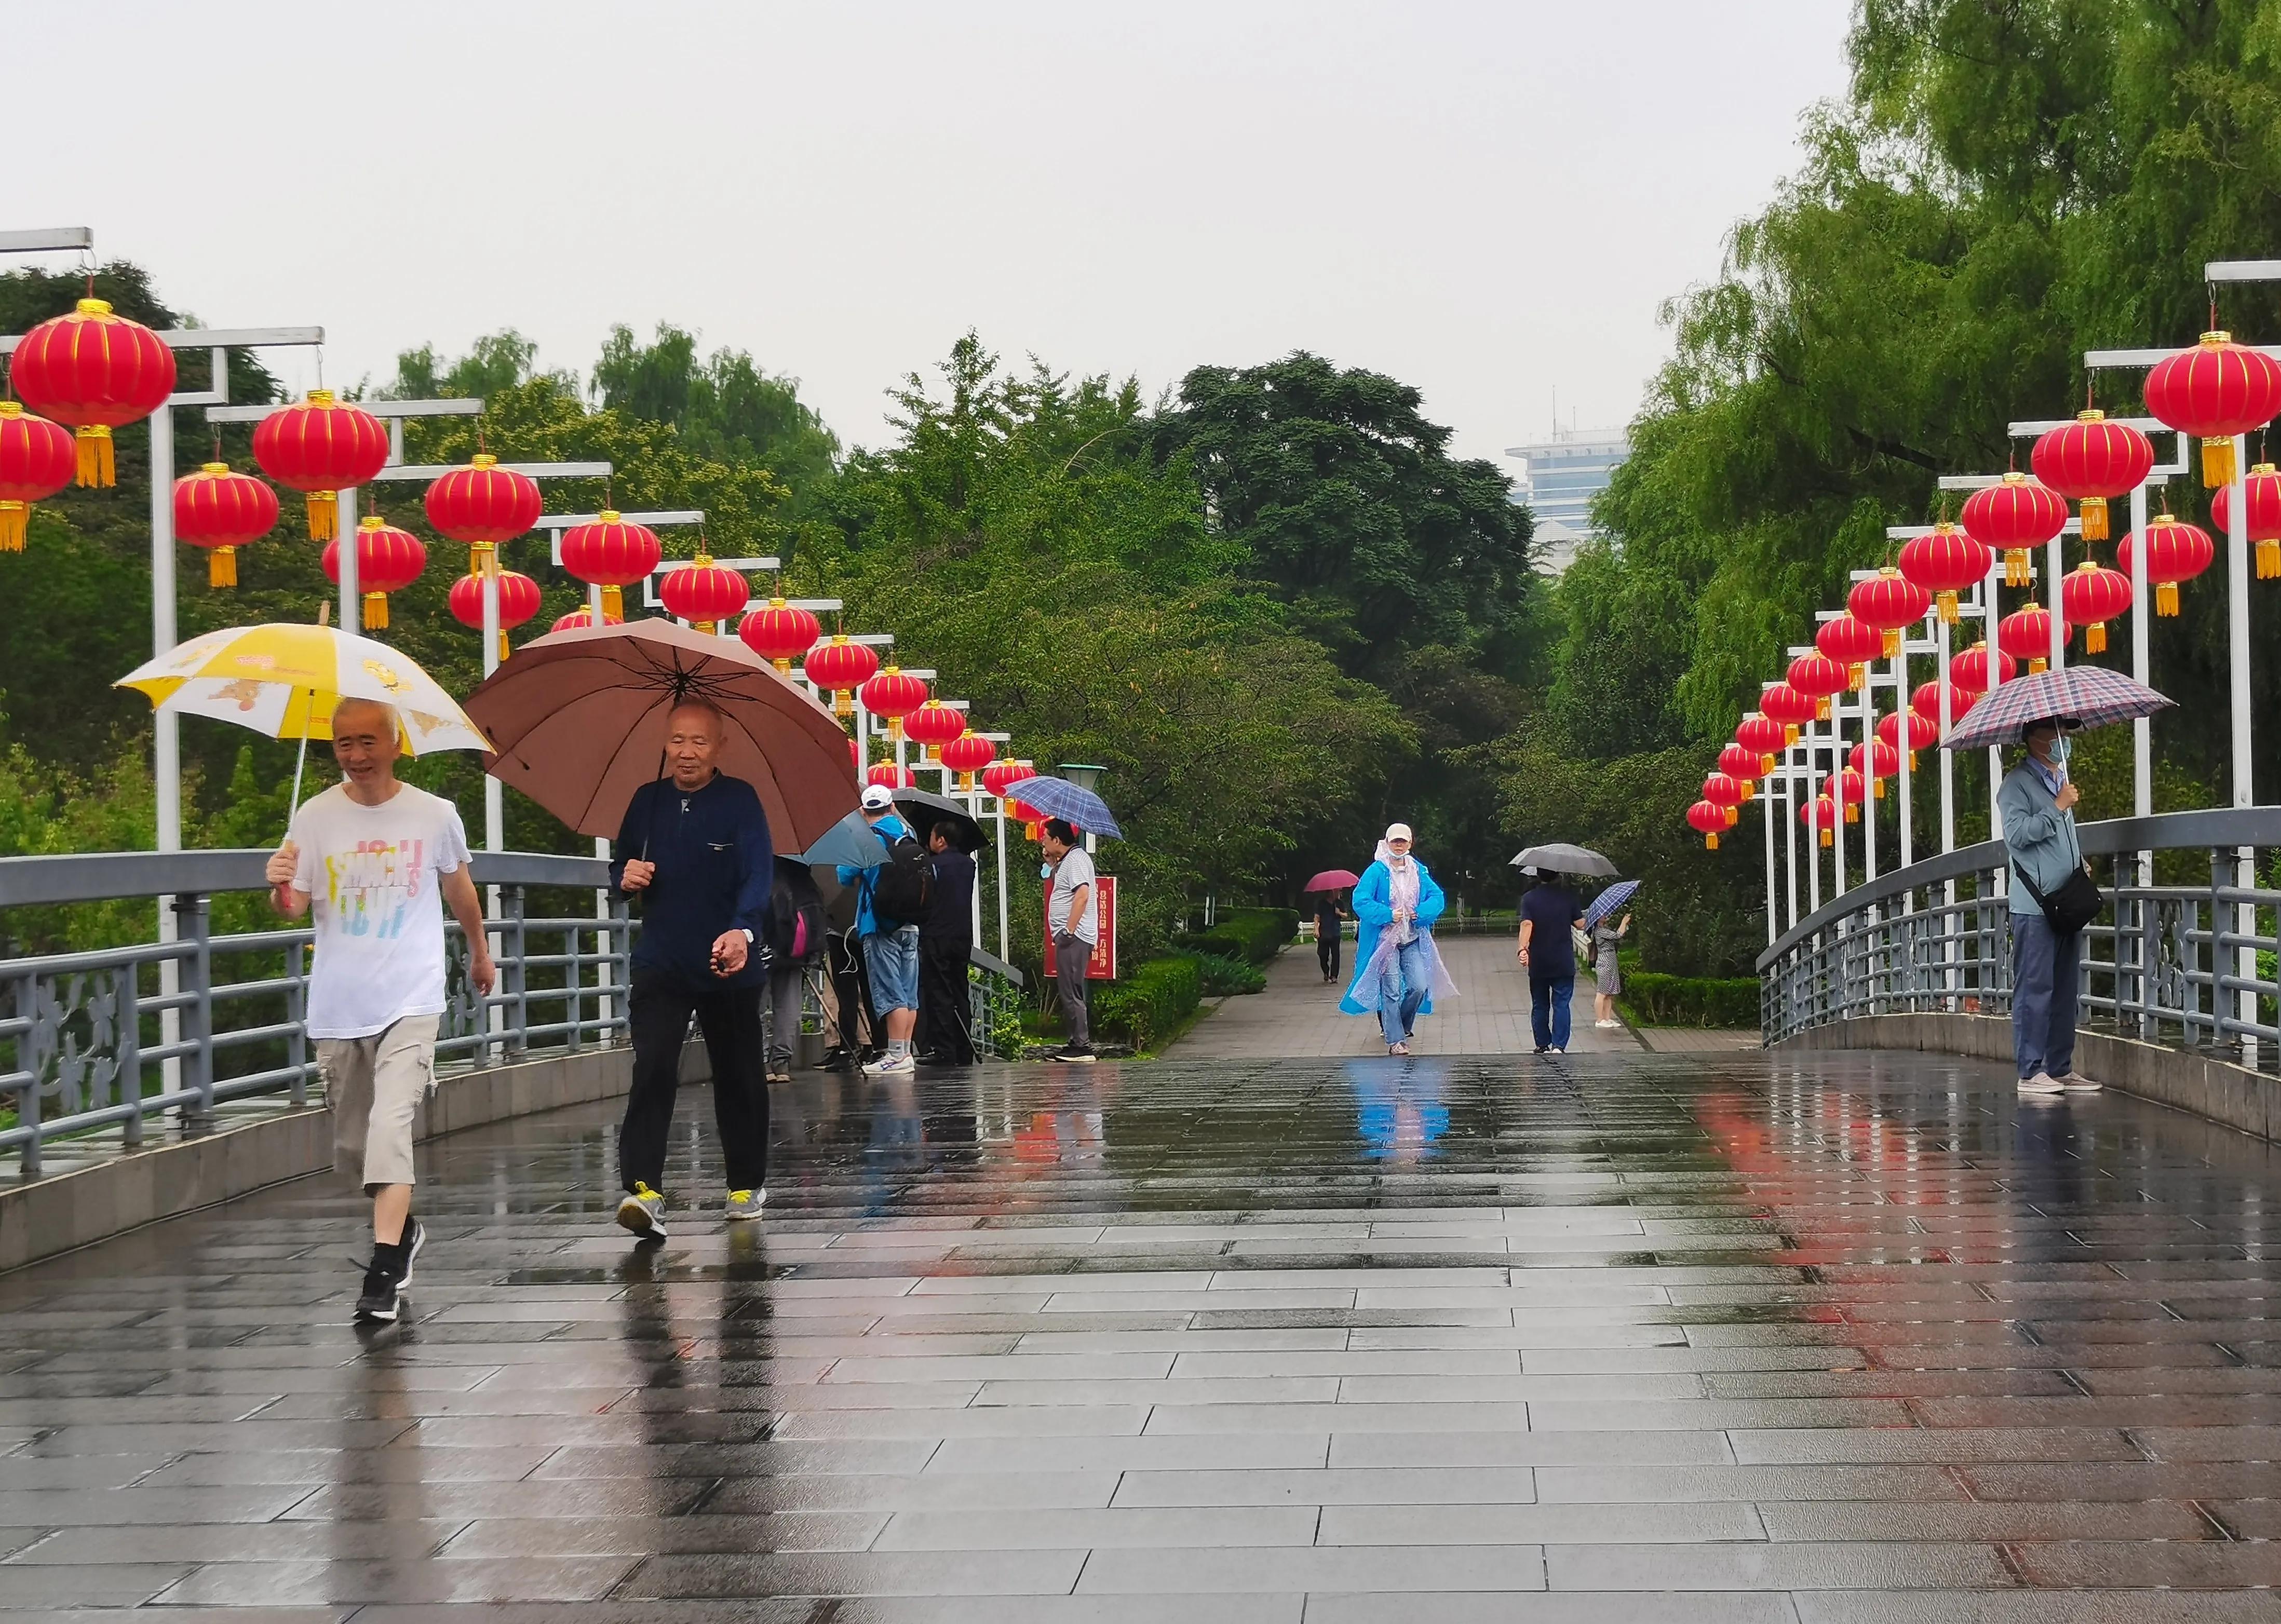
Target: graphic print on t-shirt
370,887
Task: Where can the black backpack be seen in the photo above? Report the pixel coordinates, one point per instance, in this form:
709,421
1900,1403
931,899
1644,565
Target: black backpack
796,924
903,889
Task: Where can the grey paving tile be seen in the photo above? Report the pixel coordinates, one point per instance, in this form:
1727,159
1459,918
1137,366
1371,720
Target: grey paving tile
1337,1486
551,1536
1361,1524
1141,1527
286,1584
1666,1485
1504,1607
1868,1566
2036,1607
1173,1571
116,1584
1527,1449
1990,1522
1191,1452
900,1572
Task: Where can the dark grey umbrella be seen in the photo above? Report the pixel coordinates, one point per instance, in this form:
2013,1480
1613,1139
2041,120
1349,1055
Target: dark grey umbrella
1560,859
925,810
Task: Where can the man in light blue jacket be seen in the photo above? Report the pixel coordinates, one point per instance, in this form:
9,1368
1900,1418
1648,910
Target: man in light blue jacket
2037,804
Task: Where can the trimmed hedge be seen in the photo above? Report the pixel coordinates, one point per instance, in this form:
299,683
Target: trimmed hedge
1252,934
1148,1000
1691,1000
1225,976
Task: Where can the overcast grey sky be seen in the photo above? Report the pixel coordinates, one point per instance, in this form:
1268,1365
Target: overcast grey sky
1488,200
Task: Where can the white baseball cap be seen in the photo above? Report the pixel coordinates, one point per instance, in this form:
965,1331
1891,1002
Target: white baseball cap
877,798
1397,832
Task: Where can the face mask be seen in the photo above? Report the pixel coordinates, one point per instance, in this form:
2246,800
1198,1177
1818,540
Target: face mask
1045,870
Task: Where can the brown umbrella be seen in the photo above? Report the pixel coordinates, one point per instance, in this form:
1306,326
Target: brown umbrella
579,717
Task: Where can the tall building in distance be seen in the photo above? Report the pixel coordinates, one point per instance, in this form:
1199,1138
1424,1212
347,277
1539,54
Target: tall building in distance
1560,478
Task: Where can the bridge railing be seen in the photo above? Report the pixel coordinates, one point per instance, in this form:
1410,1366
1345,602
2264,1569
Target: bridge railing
2184,956
111,1036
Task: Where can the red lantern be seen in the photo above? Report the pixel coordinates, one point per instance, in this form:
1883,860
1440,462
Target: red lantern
1968,671
388,561
322,446
1852,790
1743,764
613,554
2216,391
704,593
1925,702
1822,814
1725,793
934,725
1853,643
888,776
2017,515
2263,489
842,667
93,372
1708,820
222,511
1946,562
578,618
2089,597
1764,736
483,505
1883,762
2026,634
779,633
1891,602
894,696
2092,459
1002,775
1790,707
37,460
518,601
1924,732
967,754
1818,676
2175,553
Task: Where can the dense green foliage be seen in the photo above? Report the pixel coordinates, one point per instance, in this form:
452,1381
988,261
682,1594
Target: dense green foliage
1149,1001
1254,935
1654,1000
1225,978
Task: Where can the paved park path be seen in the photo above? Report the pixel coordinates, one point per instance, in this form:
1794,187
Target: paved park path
1694,1339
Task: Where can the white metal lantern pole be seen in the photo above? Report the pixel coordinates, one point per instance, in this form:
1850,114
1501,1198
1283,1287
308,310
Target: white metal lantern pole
1766,796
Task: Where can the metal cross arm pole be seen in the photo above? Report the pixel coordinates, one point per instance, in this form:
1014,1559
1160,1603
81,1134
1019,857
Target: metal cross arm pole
217,338
53,239
535,470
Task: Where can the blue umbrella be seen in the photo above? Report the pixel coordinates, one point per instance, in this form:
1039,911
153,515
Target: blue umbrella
1059,797
1610,900
851,843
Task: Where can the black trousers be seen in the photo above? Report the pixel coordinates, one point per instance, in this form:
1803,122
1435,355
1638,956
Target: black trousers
1326,953
946,1008
851,990
731,1020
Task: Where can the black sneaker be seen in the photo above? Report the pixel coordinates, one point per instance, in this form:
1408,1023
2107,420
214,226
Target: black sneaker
1076,1055
381,1302
414,1239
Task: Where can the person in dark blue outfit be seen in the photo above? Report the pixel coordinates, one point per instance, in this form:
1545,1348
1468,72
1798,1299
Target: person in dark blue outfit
1548,912
694,847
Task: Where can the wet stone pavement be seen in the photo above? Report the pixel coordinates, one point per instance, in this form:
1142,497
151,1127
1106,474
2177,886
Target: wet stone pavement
1707,1338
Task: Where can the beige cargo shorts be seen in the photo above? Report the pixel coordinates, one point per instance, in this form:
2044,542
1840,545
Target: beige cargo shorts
375,1085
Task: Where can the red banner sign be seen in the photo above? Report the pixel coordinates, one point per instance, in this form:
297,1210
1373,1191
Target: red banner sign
1103,965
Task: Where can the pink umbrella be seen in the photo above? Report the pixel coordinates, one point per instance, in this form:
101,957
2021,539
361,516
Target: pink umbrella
1334,879
579,718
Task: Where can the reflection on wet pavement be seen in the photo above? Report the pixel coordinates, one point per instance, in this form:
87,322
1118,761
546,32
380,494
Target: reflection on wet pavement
1699,1337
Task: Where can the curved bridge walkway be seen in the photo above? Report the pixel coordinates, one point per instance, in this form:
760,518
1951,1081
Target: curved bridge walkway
1699,1338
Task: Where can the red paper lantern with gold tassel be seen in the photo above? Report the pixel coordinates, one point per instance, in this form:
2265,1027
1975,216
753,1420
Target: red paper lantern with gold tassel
518,601
1708,819
967,754
1880,763
1763,736
322,446
1924,732
2263,489
2216,391
1969,670
1818,676
483,505
612,553
93,371
704,593
1790,707
1820,814
37,460
779,633
221,512
892,695
840,667
388,561
2176,552
1851,642
1925,702
2090,596
2092,460
2016,516
889,776
2026,634
579,619
933,725
1891,602
1743,764
1947,561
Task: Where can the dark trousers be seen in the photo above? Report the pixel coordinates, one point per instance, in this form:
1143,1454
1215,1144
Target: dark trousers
1327,953
1071,956
2047,989
851,990
1548,1009
731,1020
945,1007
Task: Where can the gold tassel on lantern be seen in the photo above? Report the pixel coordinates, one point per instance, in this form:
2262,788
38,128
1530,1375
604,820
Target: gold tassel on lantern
96,471
376,611
843,703
1859,677
1948,609
1821,708
2018,570
2036,668
895,729
1879,785
15,519
1892,643
324,515
482,558
2094,638
504,650
2094,518
2166,599
708,627
614,603
222,566
1828,838
1852,811
1789,737
2268,559
1748,789
1710,842
2217,463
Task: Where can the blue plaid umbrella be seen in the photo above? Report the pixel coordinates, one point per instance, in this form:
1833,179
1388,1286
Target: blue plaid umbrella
2086,695
1059,797
1610,900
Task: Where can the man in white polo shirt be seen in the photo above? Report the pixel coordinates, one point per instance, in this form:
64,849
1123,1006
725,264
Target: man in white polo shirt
370,858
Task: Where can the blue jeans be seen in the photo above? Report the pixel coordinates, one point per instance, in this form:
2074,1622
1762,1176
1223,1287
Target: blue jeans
893,958
1403,986
2046,987
1548,1010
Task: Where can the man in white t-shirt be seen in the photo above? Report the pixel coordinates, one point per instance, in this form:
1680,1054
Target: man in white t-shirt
1075,930
370,858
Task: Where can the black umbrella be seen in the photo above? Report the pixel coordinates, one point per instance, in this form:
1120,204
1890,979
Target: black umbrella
925,810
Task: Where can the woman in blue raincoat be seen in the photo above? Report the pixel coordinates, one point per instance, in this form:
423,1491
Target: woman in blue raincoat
1395,905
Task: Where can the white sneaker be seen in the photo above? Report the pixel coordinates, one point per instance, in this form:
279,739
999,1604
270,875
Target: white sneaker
889,1065
1607,1025
2075,1082
2042,1082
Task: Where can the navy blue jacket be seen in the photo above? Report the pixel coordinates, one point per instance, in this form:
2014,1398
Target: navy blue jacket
714,866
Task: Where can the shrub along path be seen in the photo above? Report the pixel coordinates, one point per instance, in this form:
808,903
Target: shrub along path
1298,1016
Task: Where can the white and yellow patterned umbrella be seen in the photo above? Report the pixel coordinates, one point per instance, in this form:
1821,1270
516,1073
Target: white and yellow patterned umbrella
284,680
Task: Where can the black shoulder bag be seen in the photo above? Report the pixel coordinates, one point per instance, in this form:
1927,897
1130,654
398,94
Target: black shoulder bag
2077,901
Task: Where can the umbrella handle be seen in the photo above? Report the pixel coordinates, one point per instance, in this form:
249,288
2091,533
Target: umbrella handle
299,760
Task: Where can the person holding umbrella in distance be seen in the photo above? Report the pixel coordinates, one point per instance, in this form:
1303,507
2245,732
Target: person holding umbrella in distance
1330,918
